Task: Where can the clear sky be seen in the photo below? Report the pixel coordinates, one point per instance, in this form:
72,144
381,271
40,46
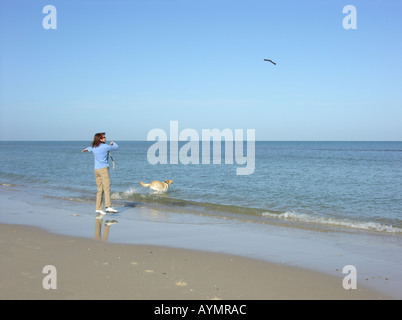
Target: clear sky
127,67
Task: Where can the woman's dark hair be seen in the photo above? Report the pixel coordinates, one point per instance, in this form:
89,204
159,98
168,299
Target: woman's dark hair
97,139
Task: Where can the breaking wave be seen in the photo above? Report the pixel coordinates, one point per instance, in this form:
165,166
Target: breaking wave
138,197
334,222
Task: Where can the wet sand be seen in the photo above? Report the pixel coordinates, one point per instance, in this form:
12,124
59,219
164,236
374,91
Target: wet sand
95,269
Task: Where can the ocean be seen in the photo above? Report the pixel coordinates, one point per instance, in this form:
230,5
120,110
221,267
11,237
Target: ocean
316,205
327,186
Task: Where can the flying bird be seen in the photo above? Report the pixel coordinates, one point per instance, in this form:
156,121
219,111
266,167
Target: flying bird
270,61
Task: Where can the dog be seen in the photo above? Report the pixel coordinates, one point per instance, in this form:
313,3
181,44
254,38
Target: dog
158,186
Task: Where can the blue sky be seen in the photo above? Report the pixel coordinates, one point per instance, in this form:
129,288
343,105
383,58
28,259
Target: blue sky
127,67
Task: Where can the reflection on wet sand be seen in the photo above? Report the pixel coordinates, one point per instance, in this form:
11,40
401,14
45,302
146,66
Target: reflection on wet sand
98,228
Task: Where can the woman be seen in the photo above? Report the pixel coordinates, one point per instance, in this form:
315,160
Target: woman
101,154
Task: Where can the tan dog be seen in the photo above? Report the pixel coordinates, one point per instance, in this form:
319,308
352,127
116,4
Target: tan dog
158,186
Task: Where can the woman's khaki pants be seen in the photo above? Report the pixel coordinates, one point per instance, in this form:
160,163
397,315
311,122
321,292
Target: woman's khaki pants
103,183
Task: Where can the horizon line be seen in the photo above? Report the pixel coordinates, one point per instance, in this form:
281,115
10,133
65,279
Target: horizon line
135,140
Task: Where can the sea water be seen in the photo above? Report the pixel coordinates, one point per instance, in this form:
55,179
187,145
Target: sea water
317,205
353,185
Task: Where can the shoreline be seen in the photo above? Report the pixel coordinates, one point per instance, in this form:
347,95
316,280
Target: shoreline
320,256
95,269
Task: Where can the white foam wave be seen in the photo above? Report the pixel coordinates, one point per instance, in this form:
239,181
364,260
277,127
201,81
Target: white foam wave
125,194
7,185
300,217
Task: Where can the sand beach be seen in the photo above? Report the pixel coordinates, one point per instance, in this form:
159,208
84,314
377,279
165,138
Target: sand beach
95,269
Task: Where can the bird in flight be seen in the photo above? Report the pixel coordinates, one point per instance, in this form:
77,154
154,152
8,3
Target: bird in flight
270,61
